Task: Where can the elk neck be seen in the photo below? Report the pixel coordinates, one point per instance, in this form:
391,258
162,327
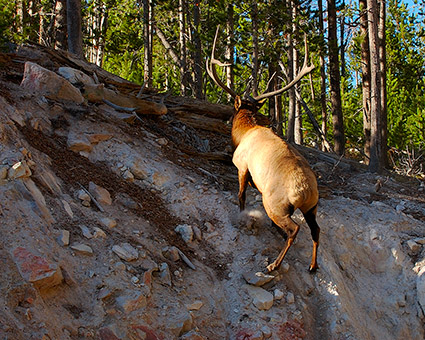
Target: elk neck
243,121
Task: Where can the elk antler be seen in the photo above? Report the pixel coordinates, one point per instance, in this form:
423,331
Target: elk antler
304,70
212,72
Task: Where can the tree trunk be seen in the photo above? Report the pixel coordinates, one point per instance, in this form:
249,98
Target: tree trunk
322,75
383,89
365,62
230,49
335,81
183,49
375,163
298,136
254,18
75,34
197,68
147,34
59,30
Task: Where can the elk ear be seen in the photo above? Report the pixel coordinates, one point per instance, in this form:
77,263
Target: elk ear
238,103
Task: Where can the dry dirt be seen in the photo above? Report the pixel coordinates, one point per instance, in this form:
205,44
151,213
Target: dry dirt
366,287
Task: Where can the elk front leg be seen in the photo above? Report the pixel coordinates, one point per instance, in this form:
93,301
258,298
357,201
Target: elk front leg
243,176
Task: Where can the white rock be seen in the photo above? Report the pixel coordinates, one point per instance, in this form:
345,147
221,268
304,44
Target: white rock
185,231
74,76
257,279
126,252
261,298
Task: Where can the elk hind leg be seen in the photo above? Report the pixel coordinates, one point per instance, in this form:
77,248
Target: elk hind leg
291,228
310,218
244,176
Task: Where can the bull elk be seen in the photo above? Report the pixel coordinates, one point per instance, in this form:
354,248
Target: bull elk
273,166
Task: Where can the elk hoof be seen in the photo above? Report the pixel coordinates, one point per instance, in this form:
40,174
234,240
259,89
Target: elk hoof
313,269
271,267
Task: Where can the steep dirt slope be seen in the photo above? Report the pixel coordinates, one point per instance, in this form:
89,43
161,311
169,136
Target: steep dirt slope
120,277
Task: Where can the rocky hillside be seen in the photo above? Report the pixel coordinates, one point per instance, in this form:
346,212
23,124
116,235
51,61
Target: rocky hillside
123,223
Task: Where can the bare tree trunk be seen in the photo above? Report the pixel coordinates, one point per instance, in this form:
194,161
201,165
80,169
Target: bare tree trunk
290,132
335,81
59,27
383,89
75,34
230,49
322,75
147,15
298,136
197,68
183,50
375,163
342,43
365,77
254,18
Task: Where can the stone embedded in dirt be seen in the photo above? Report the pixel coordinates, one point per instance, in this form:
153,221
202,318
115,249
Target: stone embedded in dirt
100,194
63,238
197,233
75,77
131,301
126,252
128,176
67,208
83,195
414,246
82,249
195,305
180,323
38,270
267,332
78,142
261,298
171,253
98,233
49,84
108,222
19,170
3,171
86,232
257,279
290,298
185,231
278,294
164,273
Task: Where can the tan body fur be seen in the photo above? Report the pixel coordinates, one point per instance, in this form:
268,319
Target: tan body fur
279,172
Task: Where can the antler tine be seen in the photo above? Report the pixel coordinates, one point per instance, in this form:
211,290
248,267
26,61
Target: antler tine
212,72
304,70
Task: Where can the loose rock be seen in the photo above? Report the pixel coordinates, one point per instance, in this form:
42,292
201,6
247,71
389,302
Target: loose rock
186,232
126,252
257,279
82,248
261,298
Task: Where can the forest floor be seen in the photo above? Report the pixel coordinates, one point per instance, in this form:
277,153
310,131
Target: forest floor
161,172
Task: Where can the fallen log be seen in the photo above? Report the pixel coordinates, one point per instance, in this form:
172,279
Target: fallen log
97,93
202,122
